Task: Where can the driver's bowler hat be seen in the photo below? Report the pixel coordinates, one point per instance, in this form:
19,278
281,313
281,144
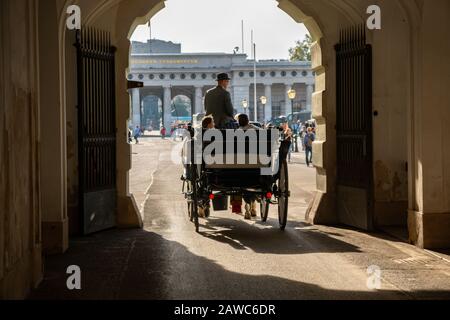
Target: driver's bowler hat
223,76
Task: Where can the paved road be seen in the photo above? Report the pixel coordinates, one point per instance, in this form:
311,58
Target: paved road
236,259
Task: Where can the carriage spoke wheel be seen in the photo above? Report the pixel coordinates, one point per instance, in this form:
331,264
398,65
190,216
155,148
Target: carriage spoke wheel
264,209
207,211
195,209
190,205
283,187
195,199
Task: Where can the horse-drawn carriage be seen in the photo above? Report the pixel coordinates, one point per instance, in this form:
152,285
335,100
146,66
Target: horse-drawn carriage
223,163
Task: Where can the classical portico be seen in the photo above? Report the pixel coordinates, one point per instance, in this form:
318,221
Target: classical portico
191,75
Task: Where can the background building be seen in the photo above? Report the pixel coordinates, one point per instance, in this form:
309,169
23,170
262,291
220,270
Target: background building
175,83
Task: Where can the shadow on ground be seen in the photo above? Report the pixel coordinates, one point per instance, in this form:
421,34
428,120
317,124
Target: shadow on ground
243,236
137,264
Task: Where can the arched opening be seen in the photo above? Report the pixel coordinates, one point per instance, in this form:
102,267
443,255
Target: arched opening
151,113
100,16
184,87
181,109
316,17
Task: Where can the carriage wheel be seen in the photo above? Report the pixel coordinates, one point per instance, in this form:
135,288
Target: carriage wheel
283,200
264,209
207,211
190,205
195,199
195,211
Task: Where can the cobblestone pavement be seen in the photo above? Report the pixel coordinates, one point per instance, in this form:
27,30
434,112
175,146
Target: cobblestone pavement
236,259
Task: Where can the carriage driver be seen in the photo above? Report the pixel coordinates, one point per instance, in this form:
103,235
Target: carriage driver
218,104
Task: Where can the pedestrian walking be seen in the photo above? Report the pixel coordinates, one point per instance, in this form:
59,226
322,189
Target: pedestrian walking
308,142
286,146
137,134
163,132
303,133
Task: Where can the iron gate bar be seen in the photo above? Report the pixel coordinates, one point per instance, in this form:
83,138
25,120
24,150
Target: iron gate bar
353,110
96,128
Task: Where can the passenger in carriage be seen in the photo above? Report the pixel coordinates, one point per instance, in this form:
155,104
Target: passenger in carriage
208,122
244,122
250,200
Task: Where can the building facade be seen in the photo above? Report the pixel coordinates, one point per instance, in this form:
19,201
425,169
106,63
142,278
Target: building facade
166,73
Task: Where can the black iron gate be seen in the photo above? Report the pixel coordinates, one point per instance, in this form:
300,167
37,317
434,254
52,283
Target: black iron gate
354,128
96,130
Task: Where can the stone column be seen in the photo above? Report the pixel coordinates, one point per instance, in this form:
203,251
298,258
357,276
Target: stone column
288,104
268,108
309,93
136,107
198,100
167,108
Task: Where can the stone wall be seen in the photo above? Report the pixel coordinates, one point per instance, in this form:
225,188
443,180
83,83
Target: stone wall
20,236
429,214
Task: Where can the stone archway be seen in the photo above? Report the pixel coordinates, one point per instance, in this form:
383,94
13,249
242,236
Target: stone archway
319,69
324,20
104,16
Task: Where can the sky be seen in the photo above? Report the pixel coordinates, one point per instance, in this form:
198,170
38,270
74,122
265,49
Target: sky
215,26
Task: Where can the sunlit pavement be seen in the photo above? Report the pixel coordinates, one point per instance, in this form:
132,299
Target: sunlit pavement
236,259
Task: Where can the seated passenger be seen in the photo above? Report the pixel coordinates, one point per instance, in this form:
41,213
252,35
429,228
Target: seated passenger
250,200
208,122
244,122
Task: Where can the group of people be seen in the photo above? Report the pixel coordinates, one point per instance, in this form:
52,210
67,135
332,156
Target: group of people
137,132
241,122
220,115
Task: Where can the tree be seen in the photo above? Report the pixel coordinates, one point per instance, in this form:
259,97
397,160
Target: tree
302,50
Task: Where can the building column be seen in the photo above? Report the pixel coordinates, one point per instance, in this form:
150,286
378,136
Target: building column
288,102
309,93
136,107
198,100
167,108
268,107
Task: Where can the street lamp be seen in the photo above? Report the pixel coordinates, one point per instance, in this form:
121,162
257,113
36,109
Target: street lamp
245,105
292,94
263,101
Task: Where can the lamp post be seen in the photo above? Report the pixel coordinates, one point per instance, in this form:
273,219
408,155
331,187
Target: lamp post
245,105
263,101
292,94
